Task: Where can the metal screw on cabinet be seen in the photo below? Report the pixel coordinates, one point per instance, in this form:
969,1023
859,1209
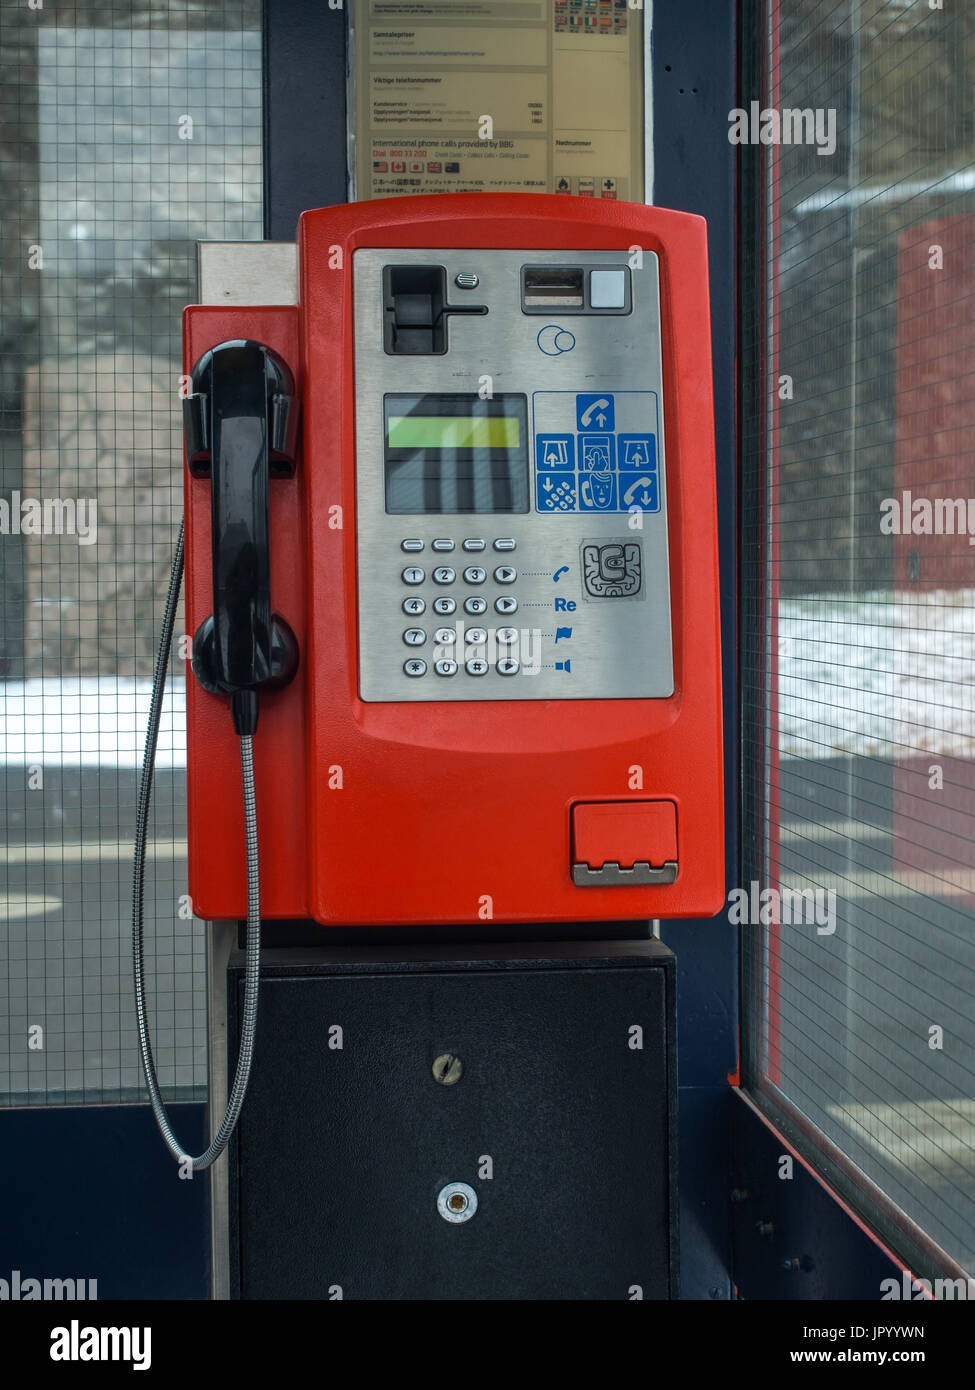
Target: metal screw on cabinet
447,1069
457,1202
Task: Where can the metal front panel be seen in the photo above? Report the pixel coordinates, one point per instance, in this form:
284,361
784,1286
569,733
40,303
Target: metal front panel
591,581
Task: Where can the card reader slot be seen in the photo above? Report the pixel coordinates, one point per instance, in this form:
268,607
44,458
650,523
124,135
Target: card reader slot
553,287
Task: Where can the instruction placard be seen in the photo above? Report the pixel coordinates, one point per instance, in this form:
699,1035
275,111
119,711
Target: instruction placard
542,96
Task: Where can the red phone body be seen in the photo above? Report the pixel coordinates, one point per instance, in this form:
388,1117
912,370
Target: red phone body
434,811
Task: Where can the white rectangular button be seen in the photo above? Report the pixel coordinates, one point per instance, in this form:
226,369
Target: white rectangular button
607,289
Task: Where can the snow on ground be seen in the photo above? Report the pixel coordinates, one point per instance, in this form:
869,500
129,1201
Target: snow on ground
879,675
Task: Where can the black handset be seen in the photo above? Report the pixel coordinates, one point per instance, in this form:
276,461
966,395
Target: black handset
241,426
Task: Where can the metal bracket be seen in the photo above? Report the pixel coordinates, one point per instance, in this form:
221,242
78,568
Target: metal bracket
612,876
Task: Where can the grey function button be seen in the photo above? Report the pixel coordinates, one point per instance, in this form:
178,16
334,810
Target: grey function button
473,543
411,544
506,604
505,574
442,543
507,635
507,666
504,543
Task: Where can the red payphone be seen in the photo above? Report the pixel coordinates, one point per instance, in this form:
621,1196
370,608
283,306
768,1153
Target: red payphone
493,565
451,580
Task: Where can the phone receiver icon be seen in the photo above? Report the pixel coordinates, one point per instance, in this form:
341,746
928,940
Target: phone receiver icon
563,570
585,419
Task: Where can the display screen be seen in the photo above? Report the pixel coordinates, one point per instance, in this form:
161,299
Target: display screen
455,453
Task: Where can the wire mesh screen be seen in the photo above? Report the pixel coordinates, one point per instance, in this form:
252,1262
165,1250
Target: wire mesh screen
130,131
858,603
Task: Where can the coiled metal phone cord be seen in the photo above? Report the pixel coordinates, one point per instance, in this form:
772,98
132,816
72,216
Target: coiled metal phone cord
253,941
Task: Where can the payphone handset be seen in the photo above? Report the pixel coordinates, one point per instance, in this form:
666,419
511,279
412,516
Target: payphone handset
496,557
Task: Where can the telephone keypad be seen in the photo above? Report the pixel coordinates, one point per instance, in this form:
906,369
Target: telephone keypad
474,658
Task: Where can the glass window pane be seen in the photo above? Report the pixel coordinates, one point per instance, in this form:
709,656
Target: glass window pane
137,130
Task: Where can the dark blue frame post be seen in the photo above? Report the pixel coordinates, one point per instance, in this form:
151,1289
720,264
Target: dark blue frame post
694,88
305,134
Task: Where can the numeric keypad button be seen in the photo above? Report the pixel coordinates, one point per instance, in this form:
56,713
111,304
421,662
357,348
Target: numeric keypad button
475,636
475,575
475,605
414,637
446,667
476,666
414,606
415,667
445,636
443,607
443,574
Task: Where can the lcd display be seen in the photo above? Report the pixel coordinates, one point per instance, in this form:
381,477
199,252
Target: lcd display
455,453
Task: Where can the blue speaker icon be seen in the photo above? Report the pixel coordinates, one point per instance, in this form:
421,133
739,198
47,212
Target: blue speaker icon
564,666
